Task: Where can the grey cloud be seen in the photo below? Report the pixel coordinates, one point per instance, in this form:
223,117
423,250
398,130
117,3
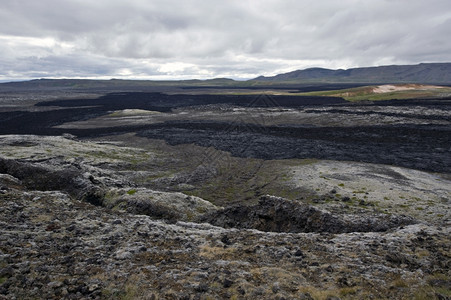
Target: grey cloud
234,38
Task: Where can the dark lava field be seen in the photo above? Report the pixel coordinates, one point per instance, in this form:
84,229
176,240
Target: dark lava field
408,133
222,193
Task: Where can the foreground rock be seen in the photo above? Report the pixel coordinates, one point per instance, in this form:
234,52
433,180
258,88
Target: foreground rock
74,225
53,247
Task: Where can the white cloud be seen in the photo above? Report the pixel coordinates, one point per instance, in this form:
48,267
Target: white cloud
199,39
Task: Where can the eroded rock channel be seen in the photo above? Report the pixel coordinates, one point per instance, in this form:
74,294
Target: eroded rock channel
275,214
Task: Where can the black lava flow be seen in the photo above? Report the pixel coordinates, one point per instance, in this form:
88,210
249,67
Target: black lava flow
423,147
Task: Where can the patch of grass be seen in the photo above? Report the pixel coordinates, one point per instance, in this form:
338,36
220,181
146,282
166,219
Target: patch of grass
105,155
319,294
246,180
423,253
443,291
437,284
367,93
216,252
399,283
131,192
132,291
307,161
347,291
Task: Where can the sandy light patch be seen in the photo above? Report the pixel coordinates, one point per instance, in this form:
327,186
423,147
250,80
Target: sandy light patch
387,88
133,112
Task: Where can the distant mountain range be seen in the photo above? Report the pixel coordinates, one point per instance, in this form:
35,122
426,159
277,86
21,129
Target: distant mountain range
429,73
434,73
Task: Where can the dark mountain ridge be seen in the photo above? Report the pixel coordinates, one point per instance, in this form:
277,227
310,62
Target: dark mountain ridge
434,73
425,73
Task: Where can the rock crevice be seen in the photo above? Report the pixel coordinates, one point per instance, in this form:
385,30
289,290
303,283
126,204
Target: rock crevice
275,214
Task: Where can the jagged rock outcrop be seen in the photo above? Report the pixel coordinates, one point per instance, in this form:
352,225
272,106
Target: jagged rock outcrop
54,175
93,180
162,205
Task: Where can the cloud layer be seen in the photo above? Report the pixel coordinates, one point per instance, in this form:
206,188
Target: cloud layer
171,39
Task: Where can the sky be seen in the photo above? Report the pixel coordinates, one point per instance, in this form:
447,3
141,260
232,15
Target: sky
239,39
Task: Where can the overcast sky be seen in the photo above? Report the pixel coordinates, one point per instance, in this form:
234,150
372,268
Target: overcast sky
168,39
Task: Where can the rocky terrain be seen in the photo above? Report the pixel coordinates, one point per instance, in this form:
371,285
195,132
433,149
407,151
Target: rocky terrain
215,198
75,225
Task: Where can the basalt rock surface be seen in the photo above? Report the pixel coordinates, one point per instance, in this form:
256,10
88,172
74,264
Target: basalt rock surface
55,247
131,242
